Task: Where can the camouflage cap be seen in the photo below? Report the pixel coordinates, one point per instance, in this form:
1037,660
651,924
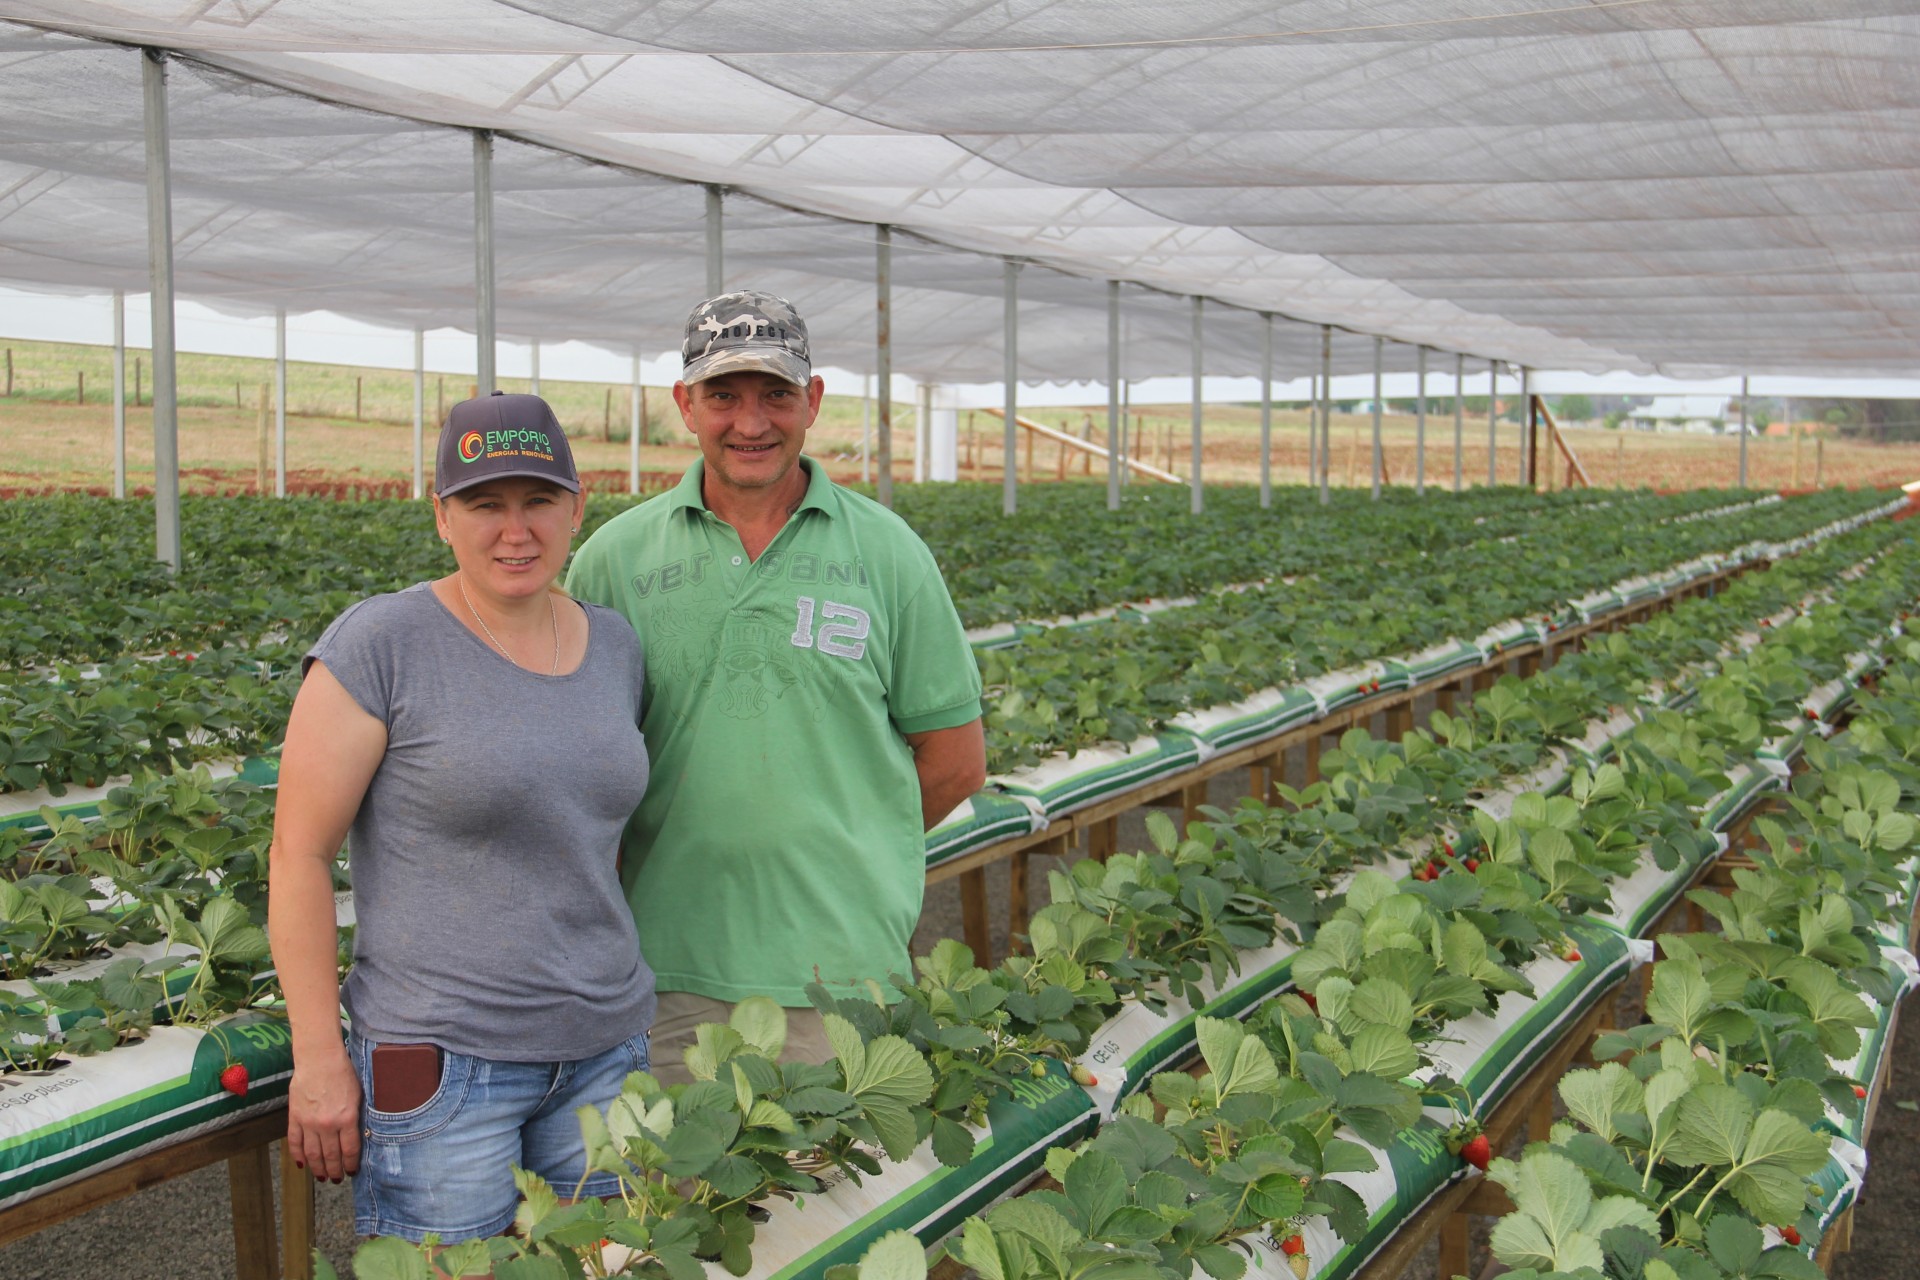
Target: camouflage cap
746,331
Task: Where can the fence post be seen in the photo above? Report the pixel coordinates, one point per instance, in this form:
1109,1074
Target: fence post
606,419
81,390
357,381
9,370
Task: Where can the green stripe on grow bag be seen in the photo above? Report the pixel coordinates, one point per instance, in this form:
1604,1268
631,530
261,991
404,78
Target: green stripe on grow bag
992,817
22,808
1502,1047
1865,1068
800,1241
1137,1042
93,1113
1839,1182
1412,1171
1063,784
1643,898
1745,785
1430,664
1261,716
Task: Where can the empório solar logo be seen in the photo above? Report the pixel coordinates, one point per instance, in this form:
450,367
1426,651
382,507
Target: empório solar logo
472,445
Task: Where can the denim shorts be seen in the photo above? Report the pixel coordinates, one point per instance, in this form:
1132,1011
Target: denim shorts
447,1165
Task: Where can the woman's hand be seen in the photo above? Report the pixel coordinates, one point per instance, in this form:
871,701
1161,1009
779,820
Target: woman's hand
332,750
323,1115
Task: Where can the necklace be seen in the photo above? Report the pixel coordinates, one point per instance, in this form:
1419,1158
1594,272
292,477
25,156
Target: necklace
553,620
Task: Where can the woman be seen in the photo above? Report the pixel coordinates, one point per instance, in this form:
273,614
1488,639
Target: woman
477,737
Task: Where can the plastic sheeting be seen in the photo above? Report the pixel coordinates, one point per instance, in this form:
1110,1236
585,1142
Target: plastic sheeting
1730,185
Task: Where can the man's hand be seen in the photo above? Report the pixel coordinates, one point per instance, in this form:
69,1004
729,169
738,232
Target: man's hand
952,764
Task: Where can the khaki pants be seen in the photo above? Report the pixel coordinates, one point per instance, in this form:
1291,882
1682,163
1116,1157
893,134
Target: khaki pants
682,1012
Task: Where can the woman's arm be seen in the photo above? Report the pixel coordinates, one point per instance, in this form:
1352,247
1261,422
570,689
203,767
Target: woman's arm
333,748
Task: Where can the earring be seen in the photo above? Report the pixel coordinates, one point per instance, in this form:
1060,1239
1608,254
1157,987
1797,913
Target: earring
576,529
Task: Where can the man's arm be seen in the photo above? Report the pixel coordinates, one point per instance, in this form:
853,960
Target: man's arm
952,764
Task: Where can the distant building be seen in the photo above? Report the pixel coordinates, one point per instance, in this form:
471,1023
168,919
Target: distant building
1699,414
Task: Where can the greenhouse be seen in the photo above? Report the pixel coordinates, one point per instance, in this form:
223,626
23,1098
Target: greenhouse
1413,840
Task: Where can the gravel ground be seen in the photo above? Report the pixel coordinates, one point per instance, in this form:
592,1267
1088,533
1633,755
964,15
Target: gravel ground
181,1229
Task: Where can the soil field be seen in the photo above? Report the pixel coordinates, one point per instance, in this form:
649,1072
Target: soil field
350,430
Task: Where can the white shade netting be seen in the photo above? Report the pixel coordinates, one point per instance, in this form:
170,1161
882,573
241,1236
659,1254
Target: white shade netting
1646,185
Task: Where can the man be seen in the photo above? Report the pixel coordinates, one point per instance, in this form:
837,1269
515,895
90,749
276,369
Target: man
811,704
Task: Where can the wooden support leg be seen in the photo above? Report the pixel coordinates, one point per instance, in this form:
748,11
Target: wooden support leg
296,1219
1312,754
1103,839
1540,1115
1018,868
1443,698
973,916
1453,1247
250,1187
1191,798
1400,720
1260,780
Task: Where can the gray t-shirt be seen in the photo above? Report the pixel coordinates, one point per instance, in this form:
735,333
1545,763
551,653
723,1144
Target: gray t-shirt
490,915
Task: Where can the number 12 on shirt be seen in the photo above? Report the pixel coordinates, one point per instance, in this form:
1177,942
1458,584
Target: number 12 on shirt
843,631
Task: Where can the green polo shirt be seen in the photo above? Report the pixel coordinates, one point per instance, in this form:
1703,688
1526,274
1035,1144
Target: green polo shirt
780,840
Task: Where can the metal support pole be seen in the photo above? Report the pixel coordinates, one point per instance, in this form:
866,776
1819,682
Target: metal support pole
1313,425
1266,411
419,410
534,379
119,393
1526,428
1459,420
1743,431
1493,419
1114,422
634,427
1326,413
1379,348
1420,427
1010,380
280,406
1198,501
866,428
883,378
716,273
483,259
922,436
166,408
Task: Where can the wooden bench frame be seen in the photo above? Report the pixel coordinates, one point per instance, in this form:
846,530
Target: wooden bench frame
260,1251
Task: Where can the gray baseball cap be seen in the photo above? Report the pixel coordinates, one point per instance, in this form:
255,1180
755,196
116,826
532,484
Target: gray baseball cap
491,437
747,331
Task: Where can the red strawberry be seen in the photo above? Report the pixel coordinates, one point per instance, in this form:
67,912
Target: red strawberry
1313,1001
234,1079
1448,847
1473,864
1420,873
1812,714
1081,1075
1859,1091
1477,1151
1790,1233
1433,870
1572,955
1293,1244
